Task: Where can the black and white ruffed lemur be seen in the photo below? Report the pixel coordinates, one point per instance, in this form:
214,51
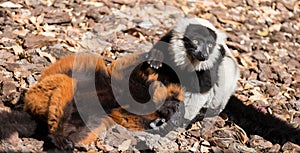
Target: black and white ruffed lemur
203,64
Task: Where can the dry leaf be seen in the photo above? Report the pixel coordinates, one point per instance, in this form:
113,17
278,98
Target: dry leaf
96,4
275,27
22,32
242,134
48,34
46,55
71,42
18,50
141,37
230,22
33,20
69,48
185,9
263,33
10,5
205,146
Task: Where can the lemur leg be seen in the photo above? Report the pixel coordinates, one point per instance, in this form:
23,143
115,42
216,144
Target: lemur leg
69,135
228,74
57,88
89,133
61,95
75,132
132,121
172,98
48,99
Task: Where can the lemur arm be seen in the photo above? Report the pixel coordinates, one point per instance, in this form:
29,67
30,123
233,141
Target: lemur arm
159,51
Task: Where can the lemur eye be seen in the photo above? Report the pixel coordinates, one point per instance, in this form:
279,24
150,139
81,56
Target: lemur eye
195,41
210,45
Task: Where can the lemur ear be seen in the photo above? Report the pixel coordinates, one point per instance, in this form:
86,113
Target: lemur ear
213,33
222,50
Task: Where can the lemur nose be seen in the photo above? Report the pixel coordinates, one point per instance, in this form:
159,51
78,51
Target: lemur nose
198,48
205,55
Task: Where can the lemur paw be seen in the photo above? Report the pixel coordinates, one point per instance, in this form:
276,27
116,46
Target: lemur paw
155,58
158,123
155,64
161,127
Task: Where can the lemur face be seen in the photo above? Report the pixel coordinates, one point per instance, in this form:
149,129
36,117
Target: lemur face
199,41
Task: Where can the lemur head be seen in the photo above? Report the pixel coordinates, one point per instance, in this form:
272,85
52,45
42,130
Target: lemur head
199,41
196,44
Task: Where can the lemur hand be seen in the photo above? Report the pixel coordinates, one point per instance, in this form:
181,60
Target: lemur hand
155,58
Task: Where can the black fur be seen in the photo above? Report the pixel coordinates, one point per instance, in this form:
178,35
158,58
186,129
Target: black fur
256,122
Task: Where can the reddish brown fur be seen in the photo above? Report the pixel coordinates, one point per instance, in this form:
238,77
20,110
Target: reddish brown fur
83,63
122,65
47,92
52,96
55,89
132,121
176,92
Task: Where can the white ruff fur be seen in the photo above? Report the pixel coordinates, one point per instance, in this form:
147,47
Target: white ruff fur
179,52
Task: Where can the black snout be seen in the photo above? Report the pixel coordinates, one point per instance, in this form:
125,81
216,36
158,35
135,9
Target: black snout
201,53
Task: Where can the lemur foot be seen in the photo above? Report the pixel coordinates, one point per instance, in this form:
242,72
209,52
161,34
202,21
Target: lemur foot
62,142
162,127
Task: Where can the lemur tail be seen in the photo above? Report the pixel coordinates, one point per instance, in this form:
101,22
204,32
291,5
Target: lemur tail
254,121
12,121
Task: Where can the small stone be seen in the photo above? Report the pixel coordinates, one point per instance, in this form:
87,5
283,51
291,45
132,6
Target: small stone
265,72
12,66
258,142
145,25
13,139
8,87
272,90
125,145
290,147
253,76
30,80
260,56
57,17
275,148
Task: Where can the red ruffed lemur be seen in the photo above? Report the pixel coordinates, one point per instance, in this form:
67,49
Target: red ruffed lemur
76,99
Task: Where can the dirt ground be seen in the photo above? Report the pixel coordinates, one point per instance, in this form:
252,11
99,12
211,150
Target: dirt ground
264,36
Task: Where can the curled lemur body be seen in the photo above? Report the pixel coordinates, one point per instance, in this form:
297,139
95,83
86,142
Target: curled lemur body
68,93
